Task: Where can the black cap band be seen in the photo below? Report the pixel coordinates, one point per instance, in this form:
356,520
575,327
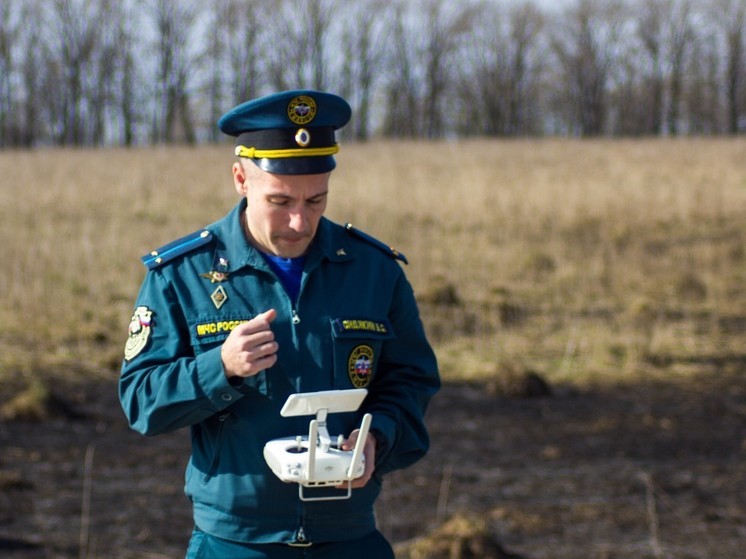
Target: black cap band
287,138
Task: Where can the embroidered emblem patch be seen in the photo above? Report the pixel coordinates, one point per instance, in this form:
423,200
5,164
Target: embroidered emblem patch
360,366
302,109
219,296
139,332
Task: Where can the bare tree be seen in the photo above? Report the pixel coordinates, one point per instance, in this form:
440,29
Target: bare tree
76,32
630,98
79,72
219,12
444,26
244,33
499,89
730,18
9,33
319,19
101,88
426,37
402,118
652,23
479,87
175,28
128,97
363,40
297,55
585,44
703,102
681,38
526,23
283,56
36,65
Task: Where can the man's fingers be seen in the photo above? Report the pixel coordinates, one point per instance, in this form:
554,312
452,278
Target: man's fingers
259,323
260,352
255,340
351,441
267,316
263,363
370,458
250,347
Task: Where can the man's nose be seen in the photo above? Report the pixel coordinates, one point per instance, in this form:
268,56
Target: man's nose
298,221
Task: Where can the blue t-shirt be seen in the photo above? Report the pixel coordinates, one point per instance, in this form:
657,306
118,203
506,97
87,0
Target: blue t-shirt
289,270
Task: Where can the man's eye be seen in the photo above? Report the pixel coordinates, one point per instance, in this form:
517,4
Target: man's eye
317,200
278,201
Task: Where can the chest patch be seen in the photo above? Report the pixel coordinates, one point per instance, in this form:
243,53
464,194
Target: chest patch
360,365
215,328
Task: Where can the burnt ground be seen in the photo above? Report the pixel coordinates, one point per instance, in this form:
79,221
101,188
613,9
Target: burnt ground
652,469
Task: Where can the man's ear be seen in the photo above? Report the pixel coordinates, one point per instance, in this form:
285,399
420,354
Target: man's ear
239,178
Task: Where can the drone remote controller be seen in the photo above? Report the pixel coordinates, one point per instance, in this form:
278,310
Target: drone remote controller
315,460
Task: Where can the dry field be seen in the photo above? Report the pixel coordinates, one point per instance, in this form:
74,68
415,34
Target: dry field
584,259
614,270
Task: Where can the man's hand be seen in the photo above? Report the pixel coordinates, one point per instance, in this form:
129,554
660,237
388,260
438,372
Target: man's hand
369,451
250,347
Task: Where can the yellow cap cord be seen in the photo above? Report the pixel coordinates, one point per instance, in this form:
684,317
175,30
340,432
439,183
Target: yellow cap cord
243,151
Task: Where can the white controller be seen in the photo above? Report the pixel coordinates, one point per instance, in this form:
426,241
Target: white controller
316,461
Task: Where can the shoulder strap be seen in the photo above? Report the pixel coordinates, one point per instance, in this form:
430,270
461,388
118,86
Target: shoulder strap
176,248
391,251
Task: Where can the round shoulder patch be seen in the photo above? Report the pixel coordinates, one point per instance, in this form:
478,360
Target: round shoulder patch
139,332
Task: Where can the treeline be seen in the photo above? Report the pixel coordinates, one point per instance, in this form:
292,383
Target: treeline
129,72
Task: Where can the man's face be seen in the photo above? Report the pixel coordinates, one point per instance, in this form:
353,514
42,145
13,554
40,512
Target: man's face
283,210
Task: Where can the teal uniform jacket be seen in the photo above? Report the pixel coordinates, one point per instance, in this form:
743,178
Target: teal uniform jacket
355,324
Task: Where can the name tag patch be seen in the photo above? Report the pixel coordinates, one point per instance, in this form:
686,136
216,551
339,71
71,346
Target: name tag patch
361,327
215,328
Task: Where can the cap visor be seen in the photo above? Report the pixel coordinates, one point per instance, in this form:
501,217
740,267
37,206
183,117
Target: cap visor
297,165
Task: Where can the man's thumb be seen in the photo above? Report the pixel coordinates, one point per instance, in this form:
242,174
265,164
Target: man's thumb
269,315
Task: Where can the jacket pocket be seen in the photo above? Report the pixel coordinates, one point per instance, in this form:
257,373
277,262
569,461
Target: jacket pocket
358,343
211,453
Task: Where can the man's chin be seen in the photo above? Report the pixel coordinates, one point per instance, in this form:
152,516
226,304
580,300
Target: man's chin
291,250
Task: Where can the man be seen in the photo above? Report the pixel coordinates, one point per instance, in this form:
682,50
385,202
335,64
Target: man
271,300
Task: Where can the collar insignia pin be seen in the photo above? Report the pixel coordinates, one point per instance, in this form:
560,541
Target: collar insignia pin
215,276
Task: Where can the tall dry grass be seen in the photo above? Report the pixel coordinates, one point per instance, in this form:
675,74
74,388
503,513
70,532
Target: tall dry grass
584,259
579,258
